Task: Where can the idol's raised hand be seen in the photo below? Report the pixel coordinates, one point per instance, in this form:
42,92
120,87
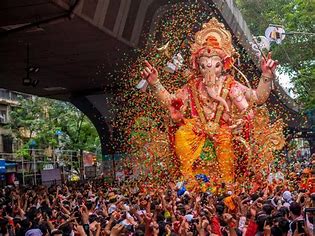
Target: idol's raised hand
268,66
149,73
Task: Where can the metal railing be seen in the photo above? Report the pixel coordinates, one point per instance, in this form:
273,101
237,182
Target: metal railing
34,163
9,156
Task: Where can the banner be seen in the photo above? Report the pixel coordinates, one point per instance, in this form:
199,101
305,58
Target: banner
50,177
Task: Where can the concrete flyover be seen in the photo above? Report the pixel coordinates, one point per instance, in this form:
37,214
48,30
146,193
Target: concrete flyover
76,42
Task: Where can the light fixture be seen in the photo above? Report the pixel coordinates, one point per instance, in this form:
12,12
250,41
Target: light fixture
54,89
34,82
28,81
33,69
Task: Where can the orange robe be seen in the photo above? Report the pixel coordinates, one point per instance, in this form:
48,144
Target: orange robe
189,146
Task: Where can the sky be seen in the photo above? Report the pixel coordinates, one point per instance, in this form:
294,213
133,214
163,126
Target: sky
287,85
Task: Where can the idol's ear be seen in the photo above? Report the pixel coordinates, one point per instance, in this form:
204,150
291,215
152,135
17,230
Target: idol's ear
228,63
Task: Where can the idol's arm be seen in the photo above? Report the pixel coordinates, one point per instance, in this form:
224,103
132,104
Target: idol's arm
175,104
150,74
170,102
241,95
264,88
161,93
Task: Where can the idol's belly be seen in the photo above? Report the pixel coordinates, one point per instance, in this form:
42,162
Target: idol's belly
210,115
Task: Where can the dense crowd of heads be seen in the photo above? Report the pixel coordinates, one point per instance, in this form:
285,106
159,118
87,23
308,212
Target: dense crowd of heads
284,207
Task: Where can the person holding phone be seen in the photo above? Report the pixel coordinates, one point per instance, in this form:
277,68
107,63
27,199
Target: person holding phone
297,226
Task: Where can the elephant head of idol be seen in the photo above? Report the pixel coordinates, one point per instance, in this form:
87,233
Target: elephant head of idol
211,54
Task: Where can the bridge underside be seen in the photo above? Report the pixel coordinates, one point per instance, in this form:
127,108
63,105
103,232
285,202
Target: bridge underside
78,46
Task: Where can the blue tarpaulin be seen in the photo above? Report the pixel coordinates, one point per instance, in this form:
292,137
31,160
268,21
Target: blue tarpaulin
2,166
9,164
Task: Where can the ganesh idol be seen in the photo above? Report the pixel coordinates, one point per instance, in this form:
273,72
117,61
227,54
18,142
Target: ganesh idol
213,107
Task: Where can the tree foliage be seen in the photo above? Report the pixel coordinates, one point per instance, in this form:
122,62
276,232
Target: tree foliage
51,123
296,53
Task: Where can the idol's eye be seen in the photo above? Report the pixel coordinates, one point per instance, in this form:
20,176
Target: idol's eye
202,66
218,64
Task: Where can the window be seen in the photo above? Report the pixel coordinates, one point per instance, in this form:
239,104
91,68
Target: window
3,116
7,143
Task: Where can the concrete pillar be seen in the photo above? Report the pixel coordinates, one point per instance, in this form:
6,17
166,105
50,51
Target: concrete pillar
101,125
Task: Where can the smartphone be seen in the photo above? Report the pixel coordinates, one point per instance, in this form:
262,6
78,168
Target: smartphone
79,201
300,226
129,228
269,221
76,208
195,221
45,216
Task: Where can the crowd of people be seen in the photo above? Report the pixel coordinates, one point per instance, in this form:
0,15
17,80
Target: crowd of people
283,206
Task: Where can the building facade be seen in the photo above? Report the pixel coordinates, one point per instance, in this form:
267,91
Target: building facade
8,100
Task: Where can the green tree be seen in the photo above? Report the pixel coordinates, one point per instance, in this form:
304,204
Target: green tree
296,53
40,118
